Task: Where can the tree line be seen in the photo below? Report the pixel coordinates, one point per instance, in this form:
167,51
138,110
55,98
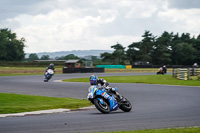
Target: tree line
168,49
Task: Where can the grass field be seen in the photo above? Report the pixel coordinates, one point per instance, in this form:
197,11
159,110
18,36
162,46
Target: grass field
171,130
16,103
135,70
148,79
14,71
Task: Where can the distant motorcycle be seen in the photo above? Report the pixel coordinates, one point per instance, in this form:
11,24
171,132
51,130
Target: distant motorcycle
48,75
105,101
160,72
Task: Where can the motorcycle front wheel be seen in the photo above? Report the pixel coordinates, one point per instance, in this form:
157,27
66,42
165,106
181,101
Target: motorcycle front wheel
104,108
126,106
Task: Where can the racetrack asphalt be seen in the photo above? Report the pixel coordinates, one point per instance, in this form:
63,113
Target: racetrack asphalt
155,106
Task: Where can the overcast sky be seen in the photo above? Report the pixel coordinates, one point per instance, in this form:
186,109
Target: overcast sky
64,25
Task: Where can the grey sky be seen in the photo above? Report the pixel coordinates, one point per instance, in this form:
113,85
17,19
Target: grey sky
184,4
62,25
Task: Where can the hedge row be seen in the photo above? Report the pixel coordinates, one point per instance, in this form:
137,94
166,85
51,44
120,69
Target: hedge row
29,64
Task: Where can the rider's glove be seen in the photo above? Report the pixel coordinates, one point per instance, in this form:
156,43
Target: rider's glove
113,89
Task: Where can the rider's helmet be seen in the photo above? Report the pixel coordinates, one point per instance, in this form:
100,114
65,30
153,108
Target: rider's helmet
93,79
51,65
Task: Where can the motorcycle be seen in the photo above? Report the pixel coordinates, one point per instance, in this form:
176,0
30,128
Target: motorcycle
106,101
160,72
48,75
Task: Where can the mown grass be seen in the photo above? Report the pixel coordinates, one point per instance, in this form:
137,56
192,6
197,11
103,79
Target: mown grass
148,79
172,130
15,71
16,103
134,70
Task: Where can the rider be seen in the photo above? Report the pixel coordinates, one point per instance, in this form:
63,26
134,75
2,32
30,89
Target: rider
102,83
51,66
164,69
160,70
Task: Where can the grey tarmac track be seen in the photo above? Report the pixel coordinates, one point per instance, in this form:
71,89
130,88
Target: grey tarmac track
155,106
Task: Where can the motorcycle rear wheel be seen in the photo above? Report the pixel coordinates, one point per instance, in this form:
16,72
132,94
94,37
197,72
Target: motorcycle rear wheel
104,108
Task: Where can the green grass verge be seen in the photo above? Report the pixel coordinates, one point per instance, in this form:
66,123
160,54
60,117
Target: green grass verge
148,79
16,103
133,70
172,130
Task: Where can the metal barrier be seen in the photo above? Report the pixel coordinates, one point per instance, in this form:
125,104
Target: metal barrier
185,73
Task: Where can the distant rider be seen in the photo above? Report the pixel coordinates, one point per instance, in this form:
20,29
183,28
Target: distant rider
160,70
164,69
102,83
51,66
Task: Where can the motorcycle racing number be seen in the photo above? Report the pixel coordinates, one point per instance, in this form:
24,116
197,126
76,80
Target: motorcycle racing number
105,95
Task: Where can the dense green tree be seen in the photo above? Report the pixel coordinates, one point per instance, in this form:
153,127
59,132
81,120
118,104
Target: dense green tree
175,40
161,53
196,45
44,57
185,54
117,57
184,49
33,57
119,54
185,37
141,51
107,57
133,52
71,56
11,48
68,57
146,46
166,49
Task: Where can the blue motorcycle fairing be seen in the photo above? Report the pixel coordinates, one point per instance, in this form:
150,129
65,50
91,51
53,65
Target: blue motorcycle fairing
102,92
101,100
113,104
92,90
